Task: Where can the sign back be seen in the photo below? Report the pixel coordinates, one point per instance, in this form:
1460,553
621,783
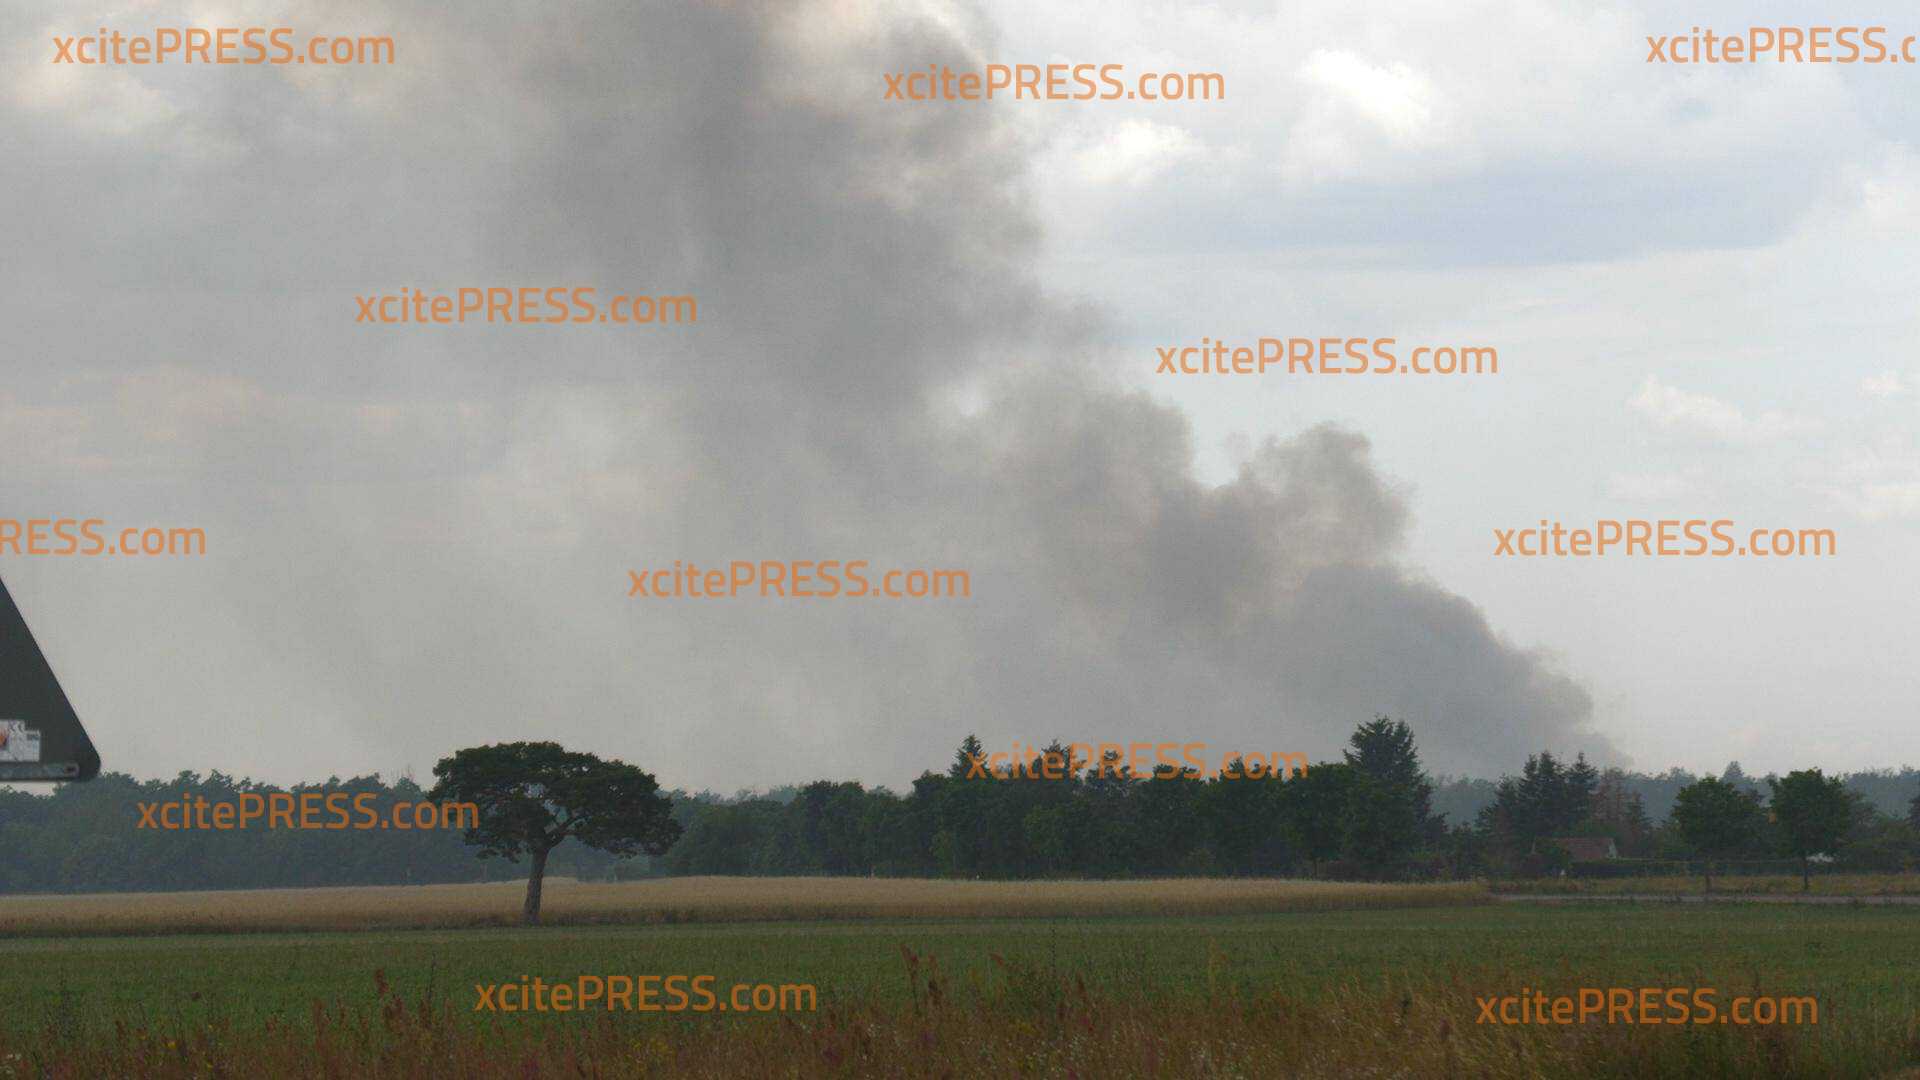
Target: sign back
40,737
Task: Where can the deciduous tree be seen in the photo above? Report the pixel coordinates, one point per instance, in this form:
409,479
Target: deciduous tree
1715,817
1814,813
533,795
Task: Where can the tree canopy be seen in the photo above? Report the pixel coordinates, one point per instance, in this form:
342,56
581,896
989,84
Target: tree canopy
1716,817
1358,816
533,796
1814,813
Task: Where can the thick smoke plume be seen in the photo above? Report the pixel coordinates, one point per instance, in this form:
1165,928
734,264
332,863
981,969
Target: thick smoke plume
420,536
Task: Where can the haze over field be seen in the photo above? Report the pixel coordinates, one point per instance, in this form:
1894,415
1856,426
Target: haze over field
925,339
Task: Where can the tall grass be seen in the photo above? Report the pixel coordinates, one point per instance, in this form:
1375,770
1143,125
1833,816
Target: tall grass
1024,1021
691,900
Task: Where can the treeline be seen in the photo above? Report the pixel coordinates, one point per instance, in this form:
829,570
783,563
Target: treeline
1375,813
1890,791
88,838
1364,816
1370,815
1804,817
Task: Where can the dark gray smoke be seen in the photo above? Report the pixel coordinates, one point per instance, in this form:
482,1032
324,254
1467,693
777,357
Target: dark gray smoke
421,536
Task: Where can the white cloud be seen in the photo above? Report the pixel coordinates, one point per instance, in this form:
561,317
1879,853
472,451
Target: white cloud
1396,99
1674,409
1885,385
1640,487
108,101
1359,115
1134,152
1877,502
1879,480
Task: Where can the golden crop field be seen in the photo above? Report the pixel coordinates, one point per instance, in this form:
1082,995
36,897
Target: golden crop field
694,899
1864,885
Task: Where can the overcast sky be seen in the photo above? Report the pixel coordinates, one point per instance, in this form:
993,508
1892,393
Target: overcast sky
926,339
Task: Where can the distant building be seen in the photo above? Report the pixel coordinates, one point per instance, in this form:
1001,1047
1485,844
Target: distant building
1588,848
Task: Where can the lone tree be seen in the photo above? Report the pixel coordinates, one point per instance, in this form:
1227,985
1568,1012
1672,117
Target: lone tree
533,795
1814,813
1714,818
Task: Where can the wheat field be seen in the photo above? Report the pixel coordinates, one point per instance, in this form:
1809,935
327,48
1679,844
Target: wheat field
693,900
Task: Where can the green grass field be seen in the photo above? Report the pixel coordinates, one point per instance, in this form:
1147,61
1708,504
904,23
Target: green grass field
1852,958
1147,978
1858,963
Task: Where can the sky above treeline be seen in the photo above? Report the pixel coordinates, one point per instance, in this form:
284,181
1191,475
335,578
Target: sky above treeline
927,337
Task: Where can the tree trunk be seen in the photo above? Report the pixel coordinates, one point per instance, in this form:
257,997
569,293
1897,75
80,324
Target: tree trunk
1707,868
535,873
1806,874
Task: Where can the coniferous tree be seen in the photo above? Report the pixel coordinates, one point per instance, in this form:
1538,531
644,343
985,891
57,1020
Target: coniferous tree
1737,777
1576,794
1618,811
1383,749
964,758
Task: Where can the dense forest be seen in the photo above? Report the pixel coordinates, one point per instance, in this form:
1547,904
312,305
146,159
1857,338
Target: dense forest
1375,813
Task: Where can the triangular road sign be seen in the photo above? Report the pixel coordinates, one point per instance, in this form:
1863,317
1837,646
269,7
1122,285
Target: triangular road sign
40,737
